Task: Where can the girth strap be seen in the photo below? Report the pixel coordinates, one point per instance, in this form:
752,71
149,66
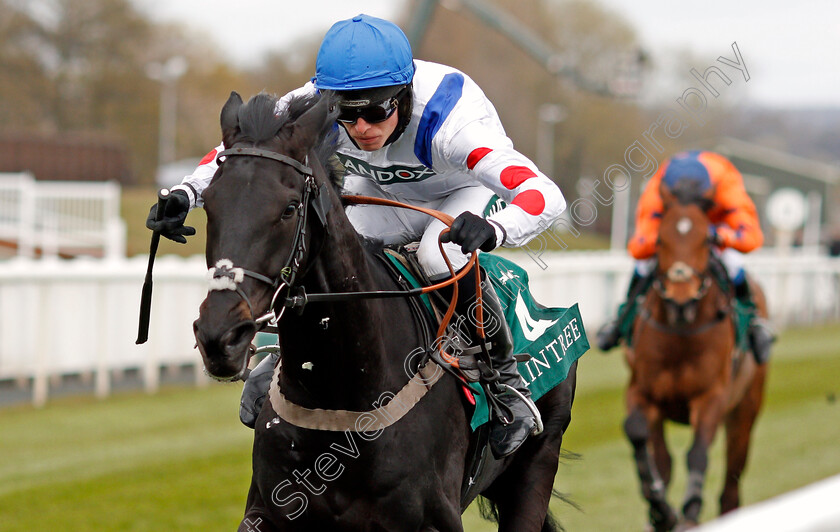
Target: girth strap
346,420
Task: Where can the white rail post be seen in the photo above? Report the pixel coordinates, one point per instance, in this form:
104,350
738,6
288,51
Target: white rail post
103,372
41,378
26,216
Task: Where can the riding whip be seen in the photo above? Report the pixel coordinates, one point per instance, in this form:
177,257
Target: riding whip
146,297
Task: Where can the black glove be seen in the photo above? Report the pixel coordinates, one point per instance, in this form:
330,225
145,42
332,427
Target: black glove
172,225
472,232
256,390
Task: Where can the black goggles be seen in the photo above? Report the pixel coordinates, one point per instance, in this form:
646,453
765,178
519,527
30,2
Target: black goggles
374,113
374,106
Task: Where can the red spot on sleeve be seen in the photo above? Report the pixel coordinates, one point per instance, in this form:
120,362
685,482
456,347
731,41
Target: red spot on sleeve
513,176
209,157
530,201
475,156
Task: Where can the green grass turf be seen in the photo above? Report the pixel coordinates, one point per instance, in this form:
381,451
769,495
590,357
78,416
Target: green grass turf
180,460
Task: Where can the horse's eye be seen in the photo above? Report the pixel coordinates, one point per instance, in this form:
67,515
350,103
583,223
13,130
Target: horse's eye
290,209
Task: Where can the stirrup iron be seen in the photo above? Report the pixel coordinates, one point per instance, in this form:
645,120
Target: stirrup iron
508,389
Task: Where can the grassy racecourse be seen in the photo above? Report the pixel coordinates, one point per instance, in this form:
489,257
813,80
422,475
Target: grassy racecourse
180,460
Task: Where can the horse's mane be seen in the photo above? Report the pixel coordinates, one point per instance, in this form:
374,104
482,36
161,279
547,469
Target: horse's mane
260,121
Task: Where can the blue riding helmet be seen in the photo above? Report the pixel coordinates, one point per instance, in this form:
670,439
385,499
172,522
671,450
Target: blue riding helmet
687,166
362,53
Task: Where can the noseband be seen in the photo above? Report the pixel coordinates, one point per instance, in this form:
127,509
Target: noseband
680,272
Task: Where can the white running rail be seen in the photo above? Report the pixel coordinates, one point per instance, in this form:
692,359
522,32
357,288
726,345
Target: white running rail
64,317
52,218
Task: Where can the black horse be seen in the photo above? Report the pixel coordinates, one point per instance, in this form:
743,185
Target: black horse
274,212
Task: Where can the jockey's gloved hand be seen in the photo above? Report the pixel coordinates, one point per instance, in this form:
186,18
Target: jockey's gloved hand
722,236
172,225
472,232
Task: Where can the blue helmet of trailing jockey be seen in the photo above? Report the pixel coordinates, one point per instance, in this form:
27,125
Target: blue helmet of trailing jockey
688,178
687,166
367,61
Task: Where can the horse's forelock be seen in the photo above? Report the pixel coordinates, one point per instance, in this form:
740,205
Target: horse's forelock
258,120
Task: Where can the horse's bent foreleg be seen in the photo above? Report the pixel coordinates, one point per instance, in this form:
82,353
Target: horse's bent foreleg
739,425
662,516
706,414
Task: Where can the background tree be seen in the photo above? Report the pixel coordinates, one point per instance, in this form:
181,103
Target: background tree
24,87
80,66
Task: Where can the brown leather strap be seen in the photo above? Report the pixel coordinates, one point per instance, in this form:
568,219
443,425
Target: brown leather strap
473,263
370,200
341,420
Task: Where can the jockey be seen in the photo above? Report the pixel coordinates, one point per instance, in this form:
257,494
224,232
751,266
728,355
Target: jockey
735,230
425,134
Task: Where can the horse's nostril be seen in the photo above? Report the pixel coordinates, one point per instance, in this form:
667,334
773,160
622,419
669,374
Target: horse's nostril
239,336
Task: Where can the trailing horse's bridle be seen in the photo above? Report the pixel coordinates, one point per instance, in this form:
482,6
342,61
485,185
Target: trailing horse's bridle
681,272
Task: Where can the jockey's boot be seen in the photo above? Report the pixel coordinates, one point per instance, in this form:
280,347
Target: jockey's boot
760,332
609,334
256,389
506,435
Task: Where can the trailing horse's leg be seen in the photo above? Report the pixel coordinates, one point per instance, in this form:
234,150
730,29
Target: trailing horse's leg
637,429
739,425
661,455
706,414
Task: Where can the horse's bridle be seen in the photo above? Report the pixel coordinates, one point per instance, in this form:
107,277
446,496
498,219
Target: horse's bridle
225,276
682,272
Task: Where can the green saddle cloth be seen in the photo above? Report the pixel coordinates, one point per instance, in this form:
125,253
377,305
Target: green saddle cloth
553,336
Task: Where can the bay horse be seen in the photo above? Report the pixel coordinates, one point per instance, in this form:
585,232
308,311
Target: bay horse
275,226
685,366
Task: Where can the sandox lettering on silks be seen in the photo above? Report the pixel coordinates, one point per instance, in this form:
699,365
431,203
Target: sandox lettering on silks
385,176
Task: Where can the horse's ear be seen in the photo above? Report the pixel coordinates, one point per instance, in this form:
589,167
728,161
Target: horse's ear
312,124
708,199
667,196
230,118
